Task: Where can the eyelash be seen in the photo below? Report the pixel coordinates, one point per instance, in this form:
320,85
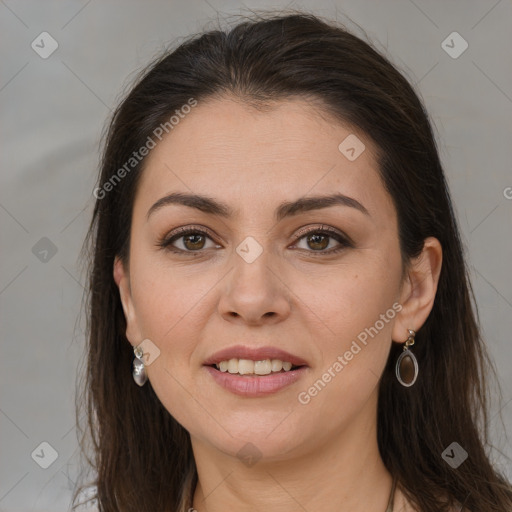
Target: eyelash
345,242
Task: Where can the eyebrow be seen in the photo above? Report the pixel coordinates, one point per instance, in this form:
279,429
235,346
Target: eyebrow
285,209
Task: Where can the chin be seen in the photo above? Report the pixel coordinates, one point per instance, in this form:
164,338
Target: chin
259,440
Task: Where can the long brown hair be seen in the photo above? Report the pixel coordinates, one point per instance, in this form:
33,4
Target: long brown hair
141,456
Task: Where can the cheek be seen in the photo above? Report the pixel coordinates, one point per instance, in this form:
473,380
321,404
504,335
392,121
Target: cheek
170,307
165,295
356,309
173,306
350,298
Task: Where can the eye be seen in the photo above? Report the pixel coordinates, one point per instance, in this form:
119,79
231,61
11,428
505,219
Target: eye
318,239
195,240
191,239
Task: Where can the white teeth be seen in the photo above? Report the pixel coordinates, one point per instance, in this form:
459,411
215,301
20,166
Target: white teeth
249,367
245,366
262,367
233,366
277,365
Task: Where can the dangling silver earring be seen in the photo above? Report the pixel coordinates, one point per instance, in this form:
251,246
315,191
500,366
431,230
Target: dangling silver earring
139,371
406,368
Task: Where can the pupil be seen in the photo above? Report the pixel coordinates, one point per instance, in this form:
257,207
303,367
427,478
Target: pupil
314,239
188,238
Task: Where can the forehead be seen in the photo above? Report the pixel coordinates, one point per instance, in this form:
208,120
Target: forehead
225,147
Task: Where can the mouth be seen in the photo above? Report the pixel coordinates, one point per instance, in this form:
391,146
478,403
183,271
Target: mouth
255,372
250,368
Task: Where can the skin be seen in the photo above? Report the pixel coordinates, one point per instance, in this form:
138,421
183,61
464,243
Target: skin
318,456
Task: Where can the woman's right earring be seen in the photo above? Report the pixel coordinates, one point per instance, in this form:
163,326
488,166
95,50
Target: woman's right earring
406,368
139,371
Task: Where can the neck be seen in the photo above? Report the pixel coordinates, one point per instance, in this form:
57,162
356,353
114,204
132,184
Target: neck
342,472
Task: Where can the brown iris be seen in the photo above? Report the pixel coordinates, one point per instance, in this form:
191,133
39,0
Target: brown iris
196,241
321,241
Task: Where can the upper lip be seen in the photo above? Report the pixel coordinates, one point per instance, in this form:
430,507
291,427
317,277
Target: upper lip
254,354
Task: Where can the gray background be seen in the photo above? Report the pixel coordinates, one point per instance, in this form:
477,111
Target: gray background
53,111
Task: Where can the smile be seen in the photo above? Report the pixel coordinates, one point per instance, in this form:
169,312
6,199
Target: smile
255,371
250,383
249,367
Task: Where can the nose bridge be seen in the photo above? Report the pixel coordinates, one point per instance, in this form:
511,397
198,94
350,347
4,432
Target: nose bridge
252,278
254,290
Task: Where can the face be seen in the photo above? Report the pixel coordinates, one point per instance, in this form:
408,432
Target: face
251,269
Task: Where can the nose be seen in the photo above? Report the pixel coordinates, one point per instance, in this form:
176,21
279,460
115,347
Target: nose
254,293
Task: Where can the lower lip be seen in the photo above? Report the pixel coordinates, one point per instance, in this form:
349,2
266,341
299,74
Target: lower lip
255,386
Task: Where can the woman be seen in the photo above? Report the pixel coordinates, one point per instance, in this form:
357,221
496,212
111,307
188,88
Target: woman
279,314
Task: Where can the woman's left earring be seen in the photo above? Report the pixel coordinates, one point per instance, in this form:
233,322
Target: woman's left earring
406,368
139,371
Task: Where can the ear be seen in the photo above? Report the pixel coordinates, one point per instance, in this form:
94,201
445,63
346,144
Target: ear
419,289
122,279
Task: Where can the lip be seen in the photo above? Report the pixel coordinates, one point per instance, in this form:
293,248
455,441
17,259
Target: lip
257,386
255,354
